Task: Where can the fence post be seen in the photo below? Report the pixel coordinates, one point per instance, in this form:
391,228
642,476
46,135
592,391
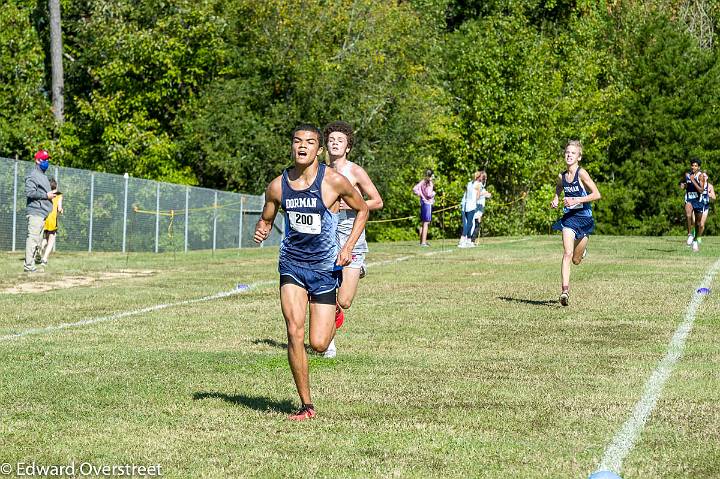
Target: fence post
157,216
15,186
92,200
215,221
127,179
57,218
187,215
241,223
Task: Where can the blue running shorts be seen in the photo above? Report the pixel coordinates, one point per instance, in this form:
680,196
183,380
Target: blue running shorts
317,283
582,225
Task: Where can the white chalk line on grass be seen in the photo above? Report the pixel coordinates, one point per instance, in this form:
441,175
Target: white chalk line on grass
126,314
405,258
388,261
158,307
625,438
449,249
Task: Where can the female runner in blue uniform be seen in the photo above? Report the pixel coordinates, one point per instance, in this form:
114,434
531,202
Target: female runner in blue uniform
310,261
577,222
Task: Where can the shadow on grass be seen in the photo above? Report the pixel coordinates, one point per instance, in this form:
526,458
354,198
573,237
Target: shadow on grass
253,402
279,345
534,302
270,342
661,250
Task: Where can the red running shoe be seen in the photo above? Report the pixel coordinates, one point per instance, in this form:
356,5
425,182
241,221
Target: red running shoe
306,411
339,316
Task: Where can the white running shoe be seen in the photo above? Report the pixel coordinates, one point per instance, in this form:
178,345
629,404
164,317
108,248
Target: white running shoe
690,240
695,246
565,298
331,351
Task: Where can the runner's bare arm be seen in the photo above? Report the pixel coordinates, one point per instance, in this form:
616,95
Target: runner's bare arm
558,189
273,196
374,200
699,185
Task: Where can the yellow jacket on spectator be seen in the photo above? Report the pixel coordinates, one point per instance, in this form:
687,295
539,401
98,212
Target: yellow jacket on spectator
51,220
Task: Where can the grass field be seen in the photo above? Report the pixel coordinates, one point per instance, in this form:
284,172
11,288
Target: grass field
451,363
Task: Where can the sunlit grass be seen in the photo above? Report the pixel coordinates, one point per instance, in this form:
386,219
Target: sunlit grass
452,363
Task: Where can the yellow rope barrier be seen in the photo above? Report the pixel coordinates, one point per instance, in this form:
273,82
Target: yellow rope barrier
392,219
215,206
161,213
522,196
172,213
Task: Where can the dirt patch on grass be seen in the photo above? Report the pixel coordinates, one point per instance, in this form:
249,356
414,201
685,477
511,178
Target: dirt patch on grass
73,281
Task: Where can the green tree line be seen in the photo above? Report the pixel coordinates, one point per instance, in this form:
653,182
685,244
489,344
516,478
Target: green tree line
205,92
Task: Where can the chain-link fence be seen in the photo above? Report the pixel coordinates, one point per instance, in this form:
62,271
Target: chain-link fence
105,212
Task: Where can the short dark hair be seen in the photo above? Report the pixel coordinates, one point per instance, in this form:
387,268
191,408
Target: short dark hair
695,160
342,127
428,173
308,127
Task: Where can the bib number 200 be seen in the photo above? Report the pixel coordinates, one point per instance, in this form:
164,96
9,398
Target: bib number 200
308,223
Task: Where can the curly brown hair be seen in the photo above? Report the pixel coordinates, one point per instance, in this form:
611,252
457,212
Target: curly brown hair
342,127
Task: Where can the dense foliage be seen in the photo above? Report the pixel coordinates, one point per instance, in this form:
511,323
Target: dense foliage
206,91
25,114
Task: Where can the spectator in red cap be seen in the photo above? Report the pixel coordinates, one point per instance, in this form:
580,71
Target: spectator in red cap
39,204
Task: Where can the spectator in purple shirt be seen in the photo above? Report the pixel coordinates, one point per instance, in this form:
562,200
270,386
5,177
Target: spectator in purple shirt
424,189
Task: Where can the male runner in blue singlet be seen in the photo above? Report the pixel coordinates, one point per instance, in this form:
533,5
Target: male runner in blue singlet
310,261
697,201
